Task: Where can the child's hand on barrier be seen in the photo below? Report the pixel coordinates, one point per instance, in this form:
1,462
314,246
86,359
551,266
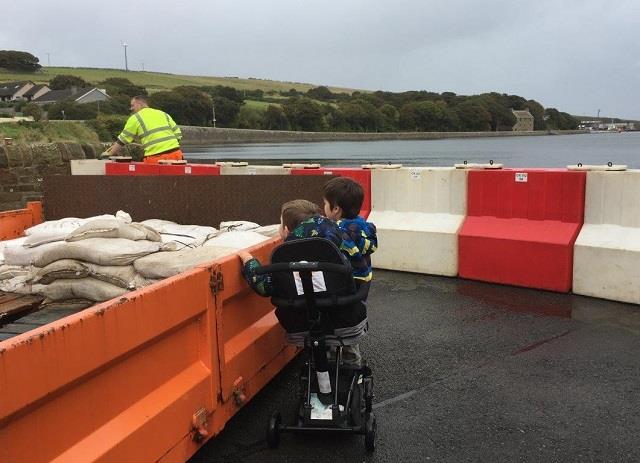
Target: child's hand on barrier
244,256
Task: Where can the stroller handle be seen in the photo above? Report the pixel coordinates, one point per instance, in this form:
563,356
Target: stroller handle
324,302
302,266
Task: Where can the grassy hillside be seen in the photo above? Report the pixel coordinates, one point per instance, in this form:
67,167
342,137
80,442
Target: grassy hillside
45,132
155,81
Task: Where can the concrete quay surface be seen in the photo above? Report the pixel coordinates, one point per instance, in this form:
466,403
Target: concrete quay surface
473,372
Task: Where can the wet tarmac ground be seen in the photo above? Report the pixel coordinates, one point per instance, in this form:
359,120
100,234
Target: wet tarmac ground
472,372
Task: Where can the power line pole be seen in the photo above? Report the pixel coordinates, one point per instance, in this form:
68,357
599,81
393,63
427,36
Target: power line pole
126,65
49,59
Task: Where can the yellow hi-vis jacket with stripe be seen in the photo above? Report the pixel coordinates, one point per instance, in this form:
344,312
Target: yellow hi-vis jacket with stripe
154,129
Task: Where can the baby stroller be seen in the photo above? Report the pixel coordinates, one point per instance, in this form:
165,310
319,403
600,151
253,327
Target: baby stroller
320,308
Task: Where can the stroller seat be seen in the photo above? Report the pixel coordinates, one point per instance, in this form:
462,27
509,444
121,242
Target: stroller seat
332,307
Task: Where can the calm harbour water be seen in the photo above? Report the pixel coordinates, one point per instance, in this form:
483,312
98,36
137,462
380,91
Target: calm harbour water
538,151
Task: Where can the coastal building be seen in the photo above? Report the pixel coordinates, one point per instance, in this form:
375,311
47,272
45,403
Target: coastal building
524,121
75,94
35,92
12,91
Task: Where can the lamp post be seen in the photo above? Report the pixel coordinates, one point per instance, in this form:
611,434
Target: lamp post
126,65
213,110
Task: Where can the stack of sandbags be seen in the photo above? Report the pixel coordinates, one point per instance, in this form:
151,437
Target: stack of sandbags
94,261
82,261
202,245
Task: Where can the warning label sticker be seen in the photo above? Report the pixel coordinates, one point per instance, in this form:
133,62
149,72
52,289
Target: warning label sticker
521,177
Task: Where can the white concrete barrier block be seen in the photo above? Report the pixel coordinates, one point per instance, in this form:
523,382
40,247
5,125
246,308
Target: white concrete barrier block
422,243
418,212
612,198
606,263
88,166
607,252
254,170
420,189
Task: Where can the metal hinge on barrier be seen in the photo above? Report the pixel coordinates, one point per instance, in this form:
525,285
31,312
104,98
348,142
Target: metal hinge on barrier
239,396
216,281
199,425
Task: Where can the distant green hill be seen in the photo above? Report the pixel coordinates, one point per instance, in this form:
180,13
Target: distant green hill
155,81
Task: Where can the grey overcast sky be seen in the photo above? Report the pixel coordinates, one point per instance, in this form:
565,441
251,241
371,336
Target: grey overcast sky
577,56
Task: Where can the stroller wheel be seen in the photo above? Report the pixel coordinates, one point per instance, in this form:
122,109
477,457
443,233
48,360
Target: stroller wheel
273,430
370,433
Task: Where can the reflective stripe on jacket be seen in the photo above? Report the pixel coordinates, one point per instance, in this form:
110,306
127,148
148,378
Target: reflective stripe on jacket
154,129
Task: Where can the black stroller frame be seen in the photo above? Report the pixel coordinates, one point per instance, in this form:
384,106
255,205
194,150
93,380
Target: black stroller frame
351,409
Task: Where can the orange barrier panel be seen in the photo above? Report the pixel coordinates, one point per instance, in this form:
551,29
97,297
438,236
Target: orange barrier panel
14,223
249,334
141,377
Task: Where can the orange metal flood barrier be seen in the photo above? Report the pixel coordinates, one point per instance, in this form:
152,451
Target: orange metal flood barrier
14,223
149,376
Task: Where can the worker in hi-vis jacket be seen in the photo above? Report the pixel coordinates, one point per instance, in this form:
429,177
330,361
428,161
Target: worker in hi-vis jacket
155,130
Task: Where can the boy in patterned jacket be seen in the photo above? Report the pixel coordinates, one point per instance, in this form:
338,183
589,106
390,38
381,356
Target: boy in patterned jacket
343,199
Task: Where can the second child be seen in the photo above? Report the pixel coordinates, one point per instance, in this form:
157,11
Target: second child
343,198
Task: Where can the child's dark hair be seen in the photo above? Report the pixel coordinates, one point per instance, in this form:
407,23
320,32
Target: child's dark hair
294,212
345,193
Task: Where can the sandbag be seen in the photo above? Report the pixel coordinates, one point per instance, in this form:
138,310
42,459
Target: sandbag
21,285
236,239
113,228
166,264
268,230
101,251
19,255
82,288
61,269
66,225
58,230
11,271
10,243
237,225
124,276
44,237
187,235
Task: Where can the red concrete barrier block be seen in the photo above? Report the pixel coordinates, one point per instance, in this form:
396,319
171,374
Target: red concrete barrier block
521,226
131,168
188,169
362,176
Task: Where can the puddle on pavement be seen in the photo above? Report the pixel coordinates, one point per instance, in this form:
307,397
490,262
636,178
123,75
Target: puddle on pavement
522,300
550,304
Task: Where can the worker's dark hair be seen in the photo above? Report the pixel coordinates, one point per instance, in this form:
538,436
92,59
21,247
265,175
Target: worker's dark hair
142,98
294,212
345,193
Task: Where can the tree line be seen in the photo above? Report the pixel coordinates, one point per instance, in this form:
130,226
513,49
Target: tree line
318,109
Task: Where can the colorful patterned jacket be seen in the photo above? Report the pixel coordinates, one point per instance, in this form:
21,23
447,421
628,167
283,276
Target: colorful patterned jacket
361,242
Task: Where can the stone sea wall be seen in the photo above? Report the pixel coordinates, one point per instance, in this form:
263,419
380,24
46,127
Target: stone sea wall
22,168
